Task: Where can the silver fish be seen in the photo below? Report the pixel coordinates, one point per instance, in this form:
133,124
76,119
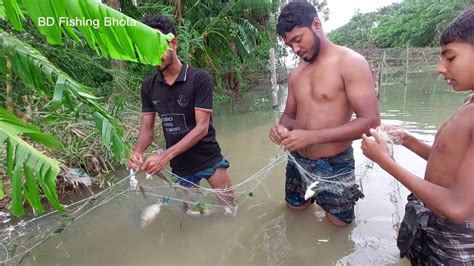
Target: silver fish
149,214
309,191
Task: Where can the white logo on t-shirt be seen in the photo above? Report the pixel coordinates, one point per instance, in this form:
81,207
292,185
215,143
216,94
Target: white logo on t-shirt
182,101
174,123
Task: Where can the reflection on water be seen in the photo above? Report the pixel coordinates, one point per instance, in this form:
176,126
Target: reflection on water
264,231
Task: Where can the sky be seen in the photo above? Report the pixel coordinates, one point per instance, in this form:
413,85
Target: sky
341,11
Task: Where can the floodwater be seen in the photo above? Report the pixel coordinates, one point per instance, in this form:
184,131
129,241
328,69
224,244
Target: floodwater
264,231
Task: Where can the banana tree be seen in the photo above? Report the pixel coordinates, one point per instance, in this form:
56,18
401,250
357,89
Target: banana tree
133,41
40,171
106,30
45,78
222,35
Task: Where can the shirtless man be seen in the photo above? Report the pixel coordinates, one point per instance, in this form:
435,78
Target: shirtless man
438,227
324,91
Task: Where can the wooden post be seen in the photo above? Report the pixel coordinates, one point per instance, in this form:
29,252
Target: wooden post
406,64
381,69
273,78
405,89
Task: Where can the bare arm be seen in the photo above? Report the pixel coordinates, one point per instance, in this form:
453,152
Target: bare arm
145,137
417,146
455,202
360,91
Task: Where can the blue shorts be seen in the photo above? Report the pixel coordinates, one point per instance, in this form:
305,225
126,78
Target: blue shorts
194,179
336,192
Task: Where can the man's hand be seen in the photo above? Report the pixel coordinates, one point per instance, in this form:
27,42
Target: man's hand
376,150
276,133
295,139
136,159
155,163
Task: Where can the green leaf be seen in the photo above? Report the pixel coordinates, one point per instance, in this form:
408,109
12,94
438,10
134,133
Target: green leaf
133,42
22,158
13,13
31,190
2,193
35,70
110,136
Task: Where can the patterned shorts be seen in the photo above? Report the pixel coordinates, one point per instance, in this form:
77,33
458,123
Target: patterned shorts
336,192
190,180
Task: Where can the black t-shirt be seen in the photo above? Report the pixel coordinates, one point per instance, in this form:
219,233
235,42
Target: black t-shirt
176,105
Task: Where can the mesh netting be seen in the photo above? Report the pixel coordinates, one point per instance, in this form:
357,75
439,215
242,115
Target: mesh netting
18,238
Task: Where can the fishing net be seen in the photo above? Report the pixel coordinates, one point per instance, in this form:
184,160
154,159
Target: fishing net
18,237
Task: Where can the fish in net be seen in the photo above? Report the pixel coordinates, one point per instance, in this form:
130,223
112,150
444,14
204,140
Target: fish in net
19,237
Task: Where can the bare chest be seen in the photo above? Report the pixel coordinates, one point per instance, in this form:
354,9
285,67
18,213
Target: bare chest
449,148
323,87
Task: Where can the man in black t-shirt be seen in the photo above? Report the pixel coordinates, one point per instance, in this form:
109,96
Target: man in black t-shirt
182,97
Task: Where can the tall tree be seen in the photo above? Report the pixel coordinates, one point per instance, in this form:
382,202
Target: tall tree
411,22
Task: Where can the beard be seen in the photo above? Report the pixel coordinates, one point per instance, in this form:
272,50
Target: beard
166,63
316,49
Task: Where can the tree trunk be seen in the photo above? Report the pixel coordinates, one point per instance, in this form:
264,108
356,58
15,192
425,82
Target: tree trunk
178,12
115,4
233,83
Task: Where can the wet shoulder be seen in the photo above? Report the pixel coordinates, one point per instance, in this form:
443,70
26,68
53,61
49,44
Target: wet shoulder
462,121
467,109
348,57
467,112
354,69
352,66
295,73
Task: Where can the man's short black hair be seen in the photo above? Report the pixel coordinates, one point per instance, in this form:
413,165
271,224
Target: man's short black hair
461,29
160,22
296,14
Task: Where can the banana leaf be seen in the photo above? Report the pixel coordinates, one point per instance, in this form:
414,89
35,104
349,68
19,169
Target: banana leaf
106,30
39,171
38,73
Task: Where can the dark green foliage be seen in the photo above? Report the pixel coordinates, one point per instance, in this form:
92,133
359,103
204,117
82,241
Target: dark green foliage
411,22
358,31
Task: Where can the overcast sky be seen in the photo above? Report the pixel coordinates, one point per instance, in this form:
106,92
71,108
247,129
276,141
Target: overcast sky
341,11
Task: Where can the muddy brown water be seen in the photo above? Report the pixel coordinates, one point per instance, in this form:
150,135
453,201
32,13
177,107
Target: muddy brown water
264,231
